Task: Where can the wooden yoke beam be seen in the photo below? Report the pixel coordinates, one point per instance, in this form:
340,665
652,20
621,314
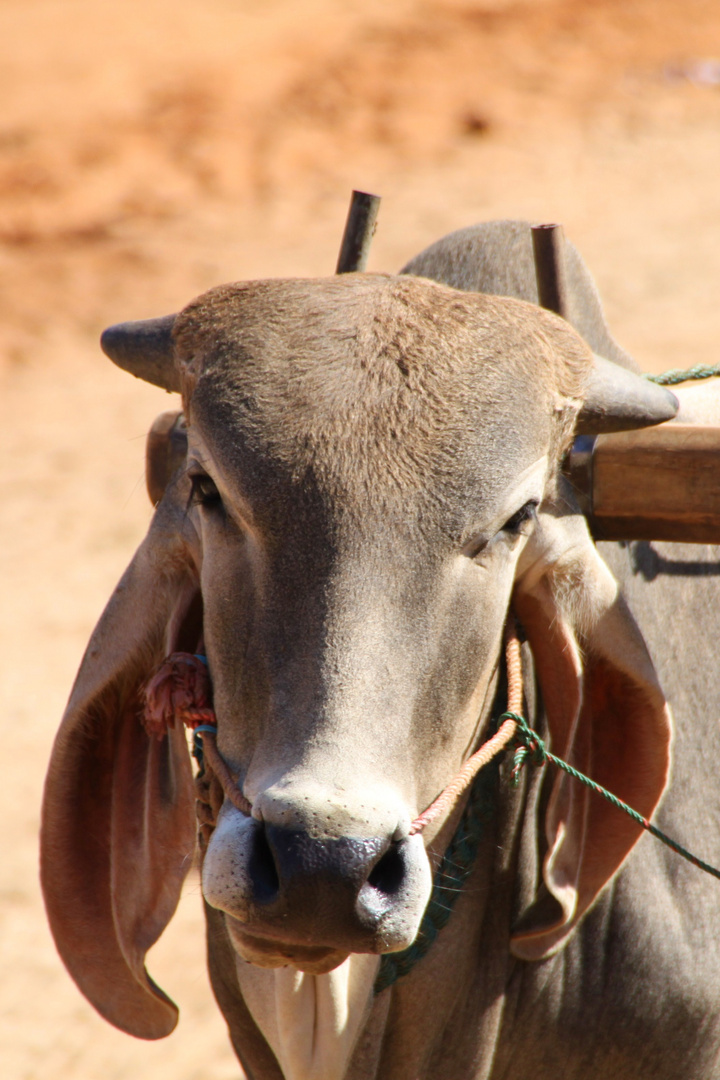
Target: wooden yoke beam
656,483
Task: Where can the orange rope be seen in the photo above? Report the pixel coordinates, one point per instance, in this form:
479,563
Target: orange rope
217,764
447,798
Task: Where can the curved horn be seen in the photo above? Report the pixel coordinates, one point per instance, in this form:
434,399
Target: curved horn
620,400
145,349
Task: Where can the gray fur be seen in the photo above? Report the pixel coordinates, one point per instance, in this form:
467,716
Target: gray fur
496,257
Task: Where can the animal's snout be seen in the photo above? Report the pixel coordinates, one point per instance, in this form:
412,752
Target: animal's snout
289,868
302,886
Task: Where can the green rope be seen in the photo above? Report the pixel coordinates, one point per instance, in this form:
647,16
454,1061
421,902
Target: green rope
677,375
459,858
529,746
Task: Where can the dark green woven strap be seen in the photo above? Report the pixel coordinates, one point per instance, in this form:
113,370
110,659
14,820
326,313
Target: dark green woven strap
454,870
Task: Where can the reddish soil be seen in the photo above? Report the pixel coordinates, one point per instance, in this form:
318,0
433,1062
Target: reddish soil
150,150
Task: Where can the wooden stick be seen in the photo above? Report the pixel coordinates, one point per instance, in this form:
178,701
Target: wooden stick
657,483
359,231
549,251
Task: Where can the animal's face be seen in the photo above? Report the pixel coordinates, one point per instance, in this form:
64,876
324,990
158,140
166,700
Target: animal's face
362,492
371,473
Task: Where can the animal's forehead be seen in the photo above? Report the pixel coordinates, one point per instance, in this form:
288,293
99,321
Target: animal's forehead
376,384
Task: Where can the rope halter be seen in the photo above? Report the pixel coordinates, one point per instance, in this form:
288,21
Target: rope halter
181,691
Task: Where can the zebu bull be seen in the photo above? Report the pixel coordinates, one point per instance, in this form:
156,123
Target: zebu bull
372,482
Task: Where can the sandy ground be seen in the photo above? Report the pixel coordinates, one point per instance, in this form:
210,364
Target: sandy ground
150,150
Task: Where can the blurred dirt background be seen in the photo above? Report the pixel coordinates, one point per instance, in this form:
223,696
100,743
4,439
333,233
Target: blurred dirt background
149,150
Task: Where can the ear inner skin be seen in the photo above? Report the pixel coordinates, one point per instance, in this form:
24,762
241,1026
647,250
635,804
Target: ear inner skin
558,663
118,825
151,851
608,716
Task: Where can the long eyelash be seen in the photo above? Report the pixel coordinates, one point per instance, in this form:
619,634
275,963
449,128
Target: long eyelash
196,497
192,499
522,515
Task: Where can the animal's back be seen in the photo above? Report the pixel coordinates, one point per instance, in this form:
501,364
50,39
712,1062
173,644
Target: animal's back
496,257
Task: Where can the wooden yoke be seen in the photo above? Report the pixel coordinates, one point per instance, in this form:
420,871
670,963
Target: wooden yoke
651,483
657,483
359,231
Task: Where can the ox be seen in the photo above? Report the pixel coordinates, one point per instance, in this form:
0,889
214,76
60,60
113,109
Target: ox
372,481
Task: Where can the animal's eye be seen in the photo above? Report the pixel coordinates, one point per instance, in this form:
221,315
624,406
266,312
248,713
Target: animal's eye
475,547
523,516
203,491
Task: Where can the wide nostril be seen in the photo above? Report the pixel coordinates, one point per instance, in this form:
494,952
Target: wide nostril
388,872
262,869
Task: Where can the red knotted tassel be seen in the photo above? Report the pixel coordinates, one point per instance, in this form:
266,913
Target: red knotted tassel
179,690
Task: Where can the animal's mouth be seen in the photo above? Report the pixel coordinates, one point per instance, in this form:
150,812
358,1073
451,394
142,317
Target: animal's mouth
272,952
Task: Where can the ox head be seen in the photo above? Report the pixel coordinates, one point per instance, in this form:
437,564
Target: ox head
371,479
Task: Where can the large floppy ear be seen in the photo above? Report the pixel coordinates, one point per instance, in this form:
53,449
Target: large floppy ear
606,715
118,824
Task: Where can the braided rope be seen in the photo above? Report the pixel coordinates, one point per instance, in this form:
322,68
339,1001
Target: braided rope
447,798
455,867
482,771
216,762
180,691
459,857
675,376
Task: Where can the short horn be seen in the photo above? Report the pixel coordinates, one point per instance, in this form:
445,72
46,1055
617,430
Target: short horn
620,400
145,349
